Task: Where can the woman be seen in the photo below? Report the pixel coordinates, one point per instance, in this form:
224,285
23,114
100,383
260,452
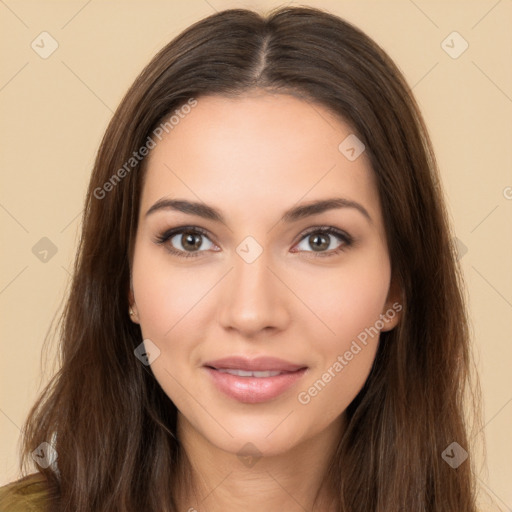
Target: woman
266,310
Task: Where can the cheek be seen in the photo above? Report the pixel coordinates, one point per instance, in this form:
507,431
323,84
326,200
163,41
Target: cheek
174,309
167,301
345,300
344,363
165,293
349,304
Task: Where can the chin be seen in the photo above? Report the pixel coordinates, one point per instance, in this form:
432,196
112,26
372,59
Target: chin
266,435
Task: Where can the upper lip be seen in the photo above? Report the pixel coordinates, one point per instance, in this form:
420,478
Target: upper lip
256,364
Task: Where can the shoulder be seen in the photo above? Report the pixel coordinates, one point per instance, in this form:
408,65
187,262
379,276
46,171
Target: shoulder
29,494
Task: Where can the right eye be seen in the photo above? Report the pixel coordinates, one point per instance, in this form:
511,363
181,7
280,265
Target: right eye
189,240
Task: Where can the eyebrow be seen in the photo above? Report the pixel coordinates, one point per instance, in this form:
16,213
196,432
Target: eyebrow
292,215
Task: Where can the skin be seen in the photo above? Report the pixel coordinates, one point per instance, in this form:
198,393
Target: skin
253,157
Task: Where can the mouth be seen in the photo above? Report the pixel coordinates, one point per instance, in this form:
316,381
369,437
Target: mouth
244,373
254,381
258,364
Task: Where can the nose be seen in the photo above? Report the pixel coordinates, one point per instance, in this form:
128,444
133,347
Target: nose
254,297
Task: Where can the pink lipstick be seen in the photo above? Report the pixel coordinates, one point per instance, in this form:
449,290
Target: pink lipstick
254,380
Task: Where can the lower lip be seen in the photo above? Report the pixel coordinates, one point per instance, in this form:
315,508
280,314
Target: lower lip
253,390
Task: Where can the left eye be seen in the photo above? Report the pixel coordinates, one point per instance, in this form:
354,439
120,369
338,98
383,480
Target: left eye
319,238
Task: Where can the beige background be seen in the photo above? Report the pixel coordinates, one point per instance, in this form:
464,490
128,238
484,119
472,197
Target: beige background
55,110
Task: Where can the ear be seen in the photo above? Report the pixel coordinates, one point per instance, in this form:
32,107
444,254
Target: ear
133,313
392,312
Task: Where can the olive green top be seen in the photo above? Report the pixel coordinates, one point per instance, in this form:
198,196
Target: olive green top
29,494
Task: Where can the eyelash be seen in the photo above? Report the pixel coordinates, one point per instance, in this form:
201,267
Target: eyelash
344,237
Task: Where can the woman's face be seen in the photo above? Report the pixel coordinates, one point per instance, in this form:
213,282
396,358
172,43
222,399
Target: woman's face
261,283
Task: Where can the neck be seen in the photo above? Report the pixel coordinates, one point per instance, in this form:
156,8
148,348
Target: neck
222,481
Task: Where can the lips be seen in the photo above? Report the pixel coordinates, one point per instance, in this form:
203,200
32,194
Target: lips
244,373
254,380
259,364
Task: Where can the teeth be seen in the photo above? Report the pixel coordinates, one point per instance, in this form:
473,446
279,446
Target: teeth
244,373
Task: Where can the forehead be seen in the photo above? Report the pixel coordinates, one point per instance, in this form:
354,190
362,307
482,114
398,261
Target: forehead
257,150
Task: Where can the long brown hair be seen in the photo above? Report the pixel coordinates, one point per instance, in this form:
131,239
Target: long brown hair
111,424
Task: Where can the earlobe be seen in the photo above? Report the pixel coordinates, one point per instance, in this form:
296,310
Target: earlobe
133,316
133,308
392,313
